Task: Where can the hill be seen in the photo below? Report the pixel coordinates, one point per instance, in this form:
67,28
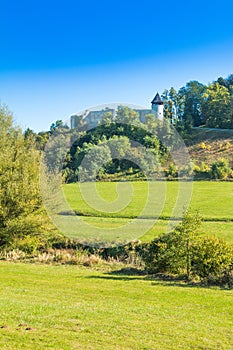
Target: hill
207,145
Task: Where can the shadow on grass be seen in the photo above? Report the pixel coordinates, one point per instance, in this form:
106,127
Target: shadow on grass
115,278
124,274
131,274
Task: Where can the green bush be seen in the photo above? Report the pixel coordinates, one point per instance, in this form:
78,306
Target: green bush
220,169
172,252
28,244
163,254
172,171
182,251
211,256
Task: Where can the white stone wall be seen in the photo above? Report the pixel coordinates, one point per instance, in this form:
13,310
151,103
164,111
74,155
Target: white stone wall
158,110
92,118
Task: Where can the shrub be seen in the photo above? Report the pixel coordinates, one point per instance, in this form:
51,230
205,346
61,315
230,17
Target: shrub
197,169
205,168
220,169
202,145
28,244
172,171
172,252
212,257
163,255
182,251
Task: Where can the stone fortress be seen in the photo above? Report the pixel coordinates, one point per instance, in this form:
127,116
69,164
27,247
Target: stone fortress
92,118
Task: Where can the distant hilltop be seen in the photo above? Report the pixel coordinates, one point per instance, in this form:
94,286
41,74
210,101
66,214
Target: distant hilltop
92,118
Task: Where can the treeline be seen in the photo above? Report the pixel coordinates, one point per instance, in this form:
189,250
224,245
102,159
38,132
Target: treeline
196,104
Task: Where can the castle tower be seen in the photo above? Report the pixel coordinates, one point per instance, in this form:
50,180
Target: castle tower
157,107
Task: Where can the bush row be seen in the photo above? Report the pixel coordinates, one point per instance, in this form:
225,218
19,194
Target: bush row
219,169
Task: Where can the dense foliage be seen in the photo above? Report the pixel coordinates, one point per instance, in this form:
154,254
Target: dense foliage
21,212
184,252
196,104
119,147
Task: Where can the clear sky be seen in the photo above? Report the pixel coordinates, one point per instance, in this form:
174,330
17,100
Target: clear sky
60,57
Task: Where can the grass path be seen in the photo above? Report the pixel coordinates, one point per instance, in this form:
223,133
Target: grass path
69,307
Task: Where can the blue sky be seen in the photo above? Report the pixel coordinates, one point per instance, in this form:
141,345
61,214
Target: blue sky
58,58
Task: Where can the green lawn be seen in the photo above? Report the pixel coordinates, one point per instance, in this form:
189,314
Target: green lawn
70,307
218,228
92,226
214,201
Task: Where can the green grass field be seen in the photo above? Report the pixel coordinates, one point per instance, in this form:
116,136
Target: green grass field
73,307
70,308
214,201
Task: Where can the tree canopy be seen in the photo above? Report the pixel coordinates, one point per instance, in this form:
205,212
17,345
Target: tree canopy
21,210
196,104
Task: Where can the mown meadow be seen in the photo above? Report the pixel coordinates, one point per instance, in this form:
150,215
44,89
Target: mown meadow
212,199
70,307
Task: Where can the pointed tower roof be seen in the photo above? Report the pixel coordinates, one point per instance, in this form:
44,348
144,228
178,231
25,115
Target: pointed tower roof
157,100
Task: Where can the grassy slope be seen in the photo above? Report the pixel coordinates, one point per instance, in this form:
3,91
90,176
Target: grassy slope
219,145
77,308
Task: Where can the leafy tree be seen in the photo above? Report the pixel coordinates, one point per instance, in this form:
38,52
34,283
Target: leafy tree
187,233
152,142
229,80
173,252
94,162
126,115
107,118
41,139
29,134
119,146
216,106
151,123
192,103
196,104
58,125
19,184
170,99
222,81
